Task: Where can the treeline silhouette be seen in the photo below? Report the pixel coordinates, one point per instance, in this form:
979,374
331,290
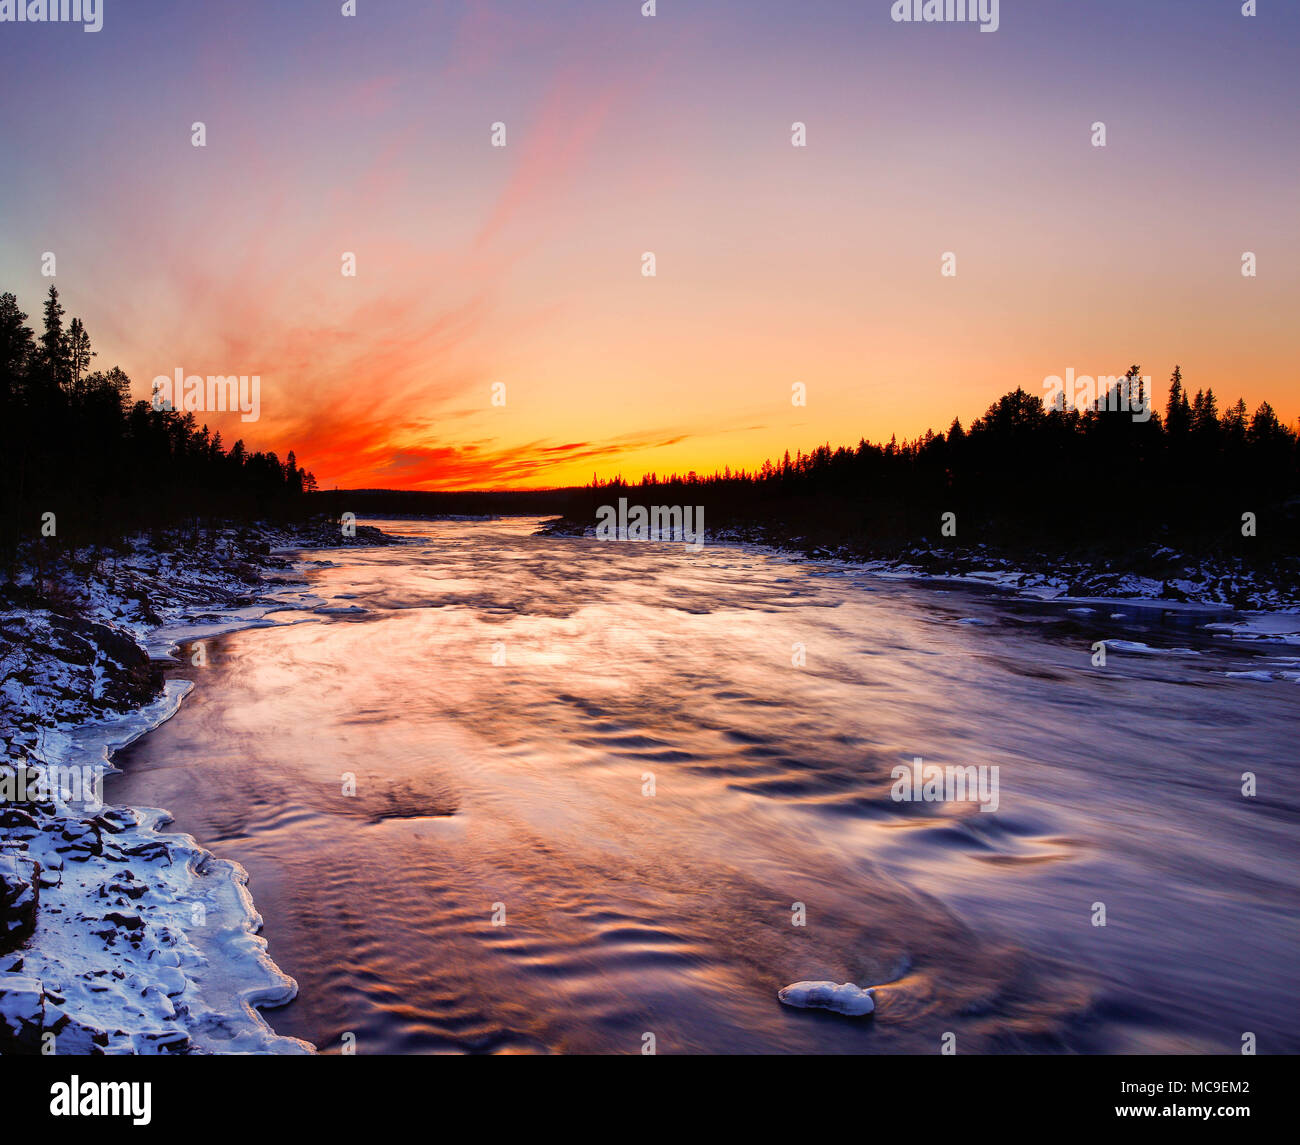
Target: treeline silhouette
72,443
1025,474
450,503
1028,473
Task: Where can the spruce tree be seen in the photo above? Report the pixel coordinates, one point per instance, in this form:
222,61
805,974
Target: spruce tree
52,341
1177,415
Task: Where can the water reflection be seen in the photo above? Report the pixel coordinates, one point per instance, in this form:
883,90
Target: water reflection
504,704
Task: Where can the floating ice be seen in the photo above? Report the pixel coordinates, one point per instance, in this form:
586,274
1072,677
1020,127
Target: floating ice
1146,649
843,999
1283,627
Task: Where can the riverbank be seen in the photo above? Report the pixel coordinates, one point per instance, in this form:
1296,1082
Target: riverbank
1157,573
115,936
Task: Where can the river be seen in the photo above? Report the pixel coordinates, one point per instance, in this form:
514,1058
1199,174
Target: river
507,792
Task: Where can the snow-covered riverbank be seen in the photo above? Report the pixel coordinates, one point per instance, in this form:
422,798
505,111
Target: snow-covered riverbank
115,935
1255,604
1157,575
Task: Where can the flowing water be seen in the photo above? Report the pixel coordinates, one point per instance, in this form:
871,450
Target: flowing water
593,784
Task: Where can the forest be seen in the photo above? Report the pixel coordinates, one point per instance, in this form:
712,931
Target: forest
81,463
1027,474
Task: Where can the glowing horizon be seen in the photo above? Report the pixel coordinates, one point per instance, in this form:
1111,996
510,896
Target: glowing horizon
521,265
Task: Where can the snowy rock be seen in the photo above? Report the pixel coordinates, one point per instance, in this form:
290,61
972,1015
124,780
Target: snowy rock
22,1014
71,1035
843,999
18,899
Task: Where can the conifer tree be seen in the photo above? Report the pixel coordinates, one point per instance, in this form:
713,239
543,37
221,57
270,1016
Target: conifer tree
52,340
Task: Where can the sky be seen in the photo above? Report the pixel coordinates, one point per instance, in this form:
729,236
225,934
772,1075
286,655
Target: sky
499,330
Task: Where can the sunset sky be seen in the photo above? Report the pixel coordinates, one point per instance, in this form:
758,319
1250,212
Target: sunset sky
522,265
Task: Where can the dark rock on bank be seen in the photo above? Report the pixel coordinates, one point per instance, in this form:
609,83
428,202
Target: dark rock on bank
19,899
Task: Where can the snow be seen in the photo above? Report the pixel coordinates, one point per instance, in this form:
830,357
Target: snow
1283,627
143,942
1199,582
842,999
22,1001
1136,646
146,940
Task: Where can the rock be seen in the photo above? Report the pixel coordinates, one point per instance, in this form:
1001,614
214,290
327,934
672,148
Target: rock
133,679
117,819
171,980
84,834
169,1042
124,921
842,999
22,1014
98,668
15,819
72,1036
123,887
148,852
18,900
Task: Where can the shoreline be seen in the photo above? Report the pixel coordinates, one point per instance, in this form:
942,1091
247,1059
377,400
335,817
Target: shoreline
187,970
1209,582
1272,622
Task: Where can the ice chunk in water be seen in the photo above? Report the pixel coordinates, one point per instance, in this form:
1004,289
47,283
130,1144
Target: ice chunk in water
843,999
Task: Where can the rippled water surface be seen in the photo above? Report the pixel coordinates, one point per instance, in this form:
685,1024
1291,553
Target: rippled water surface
505,701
